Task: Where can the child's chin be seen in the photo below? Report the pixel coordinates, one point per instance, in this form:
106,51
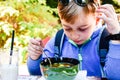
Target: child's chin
79,43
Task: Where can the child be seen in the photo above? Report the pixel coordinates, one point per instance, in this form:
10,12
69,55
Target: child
79,22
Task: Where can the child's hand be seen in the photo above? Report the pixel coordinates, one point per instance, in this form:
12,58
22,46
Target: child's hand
110,18
35,48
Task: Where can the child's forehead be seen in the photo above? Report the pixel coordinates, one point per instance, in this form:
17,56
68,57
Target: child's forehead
80,19
81,16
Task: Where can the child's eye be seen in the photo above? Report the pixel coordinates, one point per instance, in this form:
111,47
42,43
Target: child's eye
68,29
82,29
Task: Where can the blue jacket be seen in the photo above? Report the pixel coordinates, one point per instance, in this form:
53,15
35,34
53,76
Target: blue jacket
90,58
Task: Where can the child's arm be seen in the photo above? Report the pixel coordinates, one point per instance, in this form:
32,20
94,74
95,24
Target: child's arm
34,66
35,57
112,65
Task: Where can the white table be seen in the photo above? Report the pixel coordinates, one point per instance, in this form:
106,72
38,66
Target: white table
42,78
30,78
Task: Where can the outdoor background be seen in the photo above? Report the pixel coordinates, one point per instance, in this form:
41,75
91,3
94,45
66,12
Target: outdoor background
30,19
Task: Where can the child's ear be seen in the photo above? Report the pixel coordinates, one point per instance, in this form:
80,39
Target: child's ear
97,19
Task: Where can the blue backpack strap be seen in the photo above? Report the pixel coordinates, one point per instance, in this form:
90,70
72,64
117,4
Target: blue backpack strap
103,46
59,38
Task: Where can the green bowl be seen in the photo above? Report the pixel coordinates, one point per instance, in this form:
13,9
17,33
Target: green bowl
60,68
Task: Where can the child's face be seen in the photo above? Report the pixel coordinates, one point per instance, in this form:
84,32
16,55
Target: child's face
81,29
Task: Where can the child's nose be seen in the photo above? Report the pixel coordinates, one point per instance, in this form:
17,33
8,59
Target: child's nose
75,35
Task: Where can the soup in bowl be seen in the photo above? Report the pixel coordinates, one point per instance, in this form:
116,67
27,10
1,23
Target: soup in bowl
60,68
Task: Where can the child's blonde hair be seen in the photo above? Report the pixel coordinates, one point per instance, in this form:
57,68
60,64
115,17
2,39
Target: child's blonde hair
70,12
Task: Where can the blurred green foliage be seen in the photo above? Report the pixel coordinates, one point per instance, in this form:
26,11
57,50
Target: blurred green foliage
52,3
29,19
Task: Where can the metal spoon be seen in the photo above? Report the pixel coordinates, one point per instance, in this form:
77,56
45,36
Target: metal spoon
48,58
